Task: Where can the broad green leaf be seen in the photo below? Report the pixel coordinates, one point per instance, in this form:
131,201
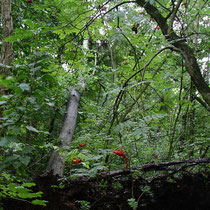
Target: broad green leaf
25,160
24,195
25,87
21,189
29,23
12,186
5,141
48,77
3,102
51,104
7,176
11,159
27,149
39,202
152,1
30,128
31,99
28,184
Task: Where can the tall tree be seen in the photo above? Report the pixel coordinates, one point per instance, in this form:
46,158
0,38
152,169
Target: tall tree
7,47
166,26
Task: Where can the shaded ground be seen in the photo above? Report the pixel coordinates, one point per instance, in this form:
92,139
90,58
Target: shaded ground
171,191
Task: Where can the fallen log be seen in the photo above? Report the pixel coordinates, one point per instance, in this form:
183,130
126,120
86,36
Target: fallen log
158,166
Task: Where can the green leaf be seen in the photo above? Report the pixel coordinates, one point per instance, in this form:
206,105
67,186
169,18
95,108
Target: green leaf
12,186
7,176
48,78
151,2
24,195
25,160
31,99
30,128
27,150
5,141
39,202
29,23
28,184
51,104
21,189
21,108
11,159
3,102
24,87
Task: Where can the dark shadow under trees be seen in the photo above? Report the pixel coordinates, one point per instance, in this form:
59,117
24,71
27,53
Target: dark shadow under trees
174,188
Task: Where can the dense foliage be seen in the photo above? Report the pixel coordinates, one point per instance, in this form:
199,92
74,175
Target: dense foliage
139,97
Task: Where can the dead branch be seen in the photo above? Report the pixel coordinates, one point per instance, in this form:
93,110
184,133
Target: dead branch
158,167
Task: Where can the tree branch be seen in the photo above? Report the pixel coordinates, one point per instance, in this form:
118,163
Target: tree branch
157,167
184,49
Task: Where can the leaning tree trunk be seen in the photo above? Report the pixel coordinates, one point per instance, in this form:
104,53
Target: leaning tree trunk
57,160
180,45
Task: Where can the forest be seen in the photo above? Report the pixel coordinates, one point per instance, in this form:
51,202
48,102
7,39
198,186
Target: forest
104,105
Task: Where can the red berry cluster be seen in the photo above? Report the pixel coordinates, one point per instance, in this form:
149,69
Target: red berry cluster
120,152
76,161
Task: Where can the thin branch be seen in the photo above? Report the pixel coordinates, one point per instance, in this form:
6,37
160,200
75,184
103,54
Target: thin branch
95,17
174,15
162,6
177,116
120,94
134,50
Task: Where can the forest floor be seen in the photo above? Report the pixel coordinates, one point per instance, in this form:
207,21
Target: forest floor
172,189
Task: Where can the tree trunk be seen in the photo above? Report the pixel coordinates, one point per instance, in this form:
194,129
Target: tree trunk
7,47
182,47
56,162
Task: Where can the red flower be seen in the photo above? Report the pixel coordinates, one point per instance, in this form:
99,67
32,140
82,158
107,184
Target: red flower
76,161
82,145
29,1
158,28
185,4
120,153
125,63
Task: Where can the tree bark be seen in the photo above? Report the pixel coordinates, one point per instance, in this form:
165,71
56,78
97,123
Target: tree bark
7,47
57,160
181,46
